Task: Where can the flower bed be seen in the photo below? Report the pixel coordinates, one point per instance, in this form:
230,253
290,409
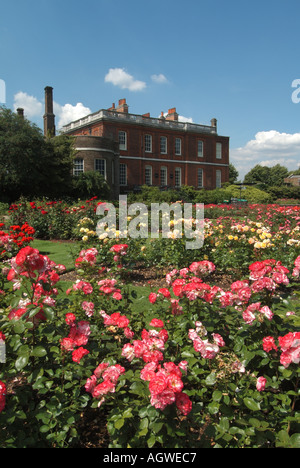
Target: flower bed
192,364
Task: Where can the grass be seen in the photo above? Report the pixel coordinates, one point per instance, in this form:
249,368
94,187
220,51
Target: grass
60,252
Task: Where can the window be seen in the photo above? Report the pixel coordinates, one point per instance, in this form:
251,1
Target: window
100,166
163,176
177,177
122,140
148,143
148,175
163,145
123,174
218,178
219,150
200,149
200,178
177,145
78,167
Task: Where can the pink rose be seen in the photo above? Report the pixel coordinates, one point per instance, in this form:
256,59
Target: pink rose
261,383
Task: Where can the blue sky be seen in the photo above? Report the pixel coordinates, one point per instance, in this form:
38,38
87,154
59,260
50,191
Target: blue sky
235,61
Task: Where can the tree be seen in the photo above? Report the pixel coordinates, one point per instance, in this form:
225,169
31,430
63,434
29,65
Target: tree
266,176
60,165
233,174
89,184
30,164
258,174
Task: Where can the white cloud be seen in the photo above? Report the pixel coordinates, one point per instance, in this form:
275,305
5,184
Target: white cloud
159,78
63,114
119,77
32,107
268,148
68,113
181,118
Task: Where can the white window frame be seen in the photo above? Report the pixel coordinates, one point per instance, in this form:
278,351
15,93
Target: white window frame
219,150
177,177
123,174
178,146
163,145
122,140
218,178
163,176
200,178
101,170
200,147
148,143
148,175
76,168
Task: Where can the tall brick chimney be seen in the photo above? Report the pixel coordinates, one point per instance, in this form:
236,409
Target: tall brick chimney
49,117
172,114
123,106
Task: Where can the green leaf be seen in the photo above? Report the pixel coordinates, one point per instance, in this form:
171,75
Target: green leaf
23,351
217,395
151,441
119,423
33,312
19,327
211,379
295,440
156,427
251,404
39,351
49,312
44,428
213,407
21,362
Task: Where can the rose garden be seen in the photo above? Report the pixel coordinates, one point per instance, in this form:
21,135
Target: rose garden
131,342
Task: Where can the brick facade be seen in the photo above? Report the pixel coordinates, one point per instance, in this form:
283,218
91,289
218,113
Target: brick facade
156,151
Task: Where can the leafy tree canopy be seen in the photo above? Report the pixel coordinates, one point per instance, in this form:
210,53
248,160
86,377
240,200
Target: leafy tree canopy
30,164
233,174
268,176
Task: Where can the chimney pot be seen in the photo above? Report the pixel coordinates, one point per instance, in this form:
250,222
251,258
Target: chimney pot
20,112
213,123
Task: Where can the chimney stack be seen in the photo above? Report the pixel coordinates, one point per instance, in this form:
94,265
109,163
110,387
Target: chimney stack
213,123
123,106
49,117
20,112
172,114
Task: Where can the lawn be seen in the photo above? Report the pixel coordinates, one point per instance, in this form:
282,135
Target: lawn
62,252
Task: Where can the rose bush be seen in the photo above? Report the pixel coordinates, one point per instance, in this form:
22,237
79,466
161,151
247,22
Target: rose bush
202,367
200,364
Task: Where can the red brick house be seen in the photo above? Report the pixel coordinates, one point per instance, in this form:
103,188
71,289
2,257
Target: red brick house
131,150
